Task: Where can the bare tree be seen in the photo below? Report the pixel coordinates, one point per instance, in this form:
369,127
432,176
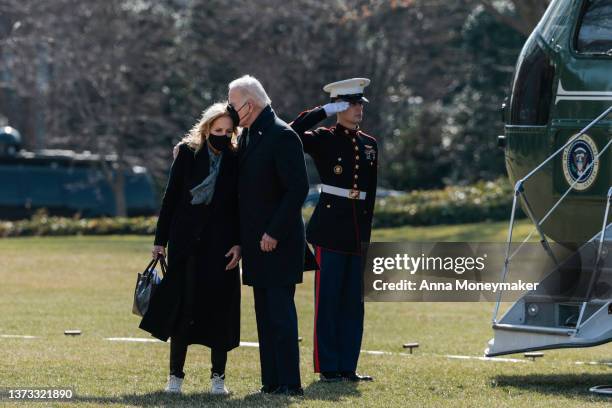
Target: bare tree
103,68
523,15
128,77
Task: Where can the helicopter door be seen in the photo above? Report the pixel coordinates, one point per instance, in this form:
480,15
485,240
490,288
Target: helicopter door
532,88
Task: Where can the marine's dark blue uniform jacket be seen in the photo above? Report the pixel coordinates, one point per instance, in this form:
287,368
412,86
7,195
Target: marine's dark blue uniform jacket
344,158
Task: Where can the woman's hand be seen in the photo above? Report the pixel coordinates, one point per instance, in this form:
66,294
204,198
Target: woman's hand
235,253
157,251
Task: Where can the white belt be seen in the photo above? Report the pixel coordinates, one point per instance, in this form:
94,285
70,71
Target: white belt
343,192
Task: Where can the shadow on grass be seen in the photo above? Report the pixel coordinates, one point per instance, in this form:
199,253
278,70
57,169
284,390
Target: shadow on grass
314,392
331,391
196,399
569,385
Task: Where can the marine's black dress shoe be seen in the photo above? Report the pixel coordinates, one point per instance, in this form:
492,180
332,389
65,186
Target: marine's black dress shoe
293,391
353,376
330,376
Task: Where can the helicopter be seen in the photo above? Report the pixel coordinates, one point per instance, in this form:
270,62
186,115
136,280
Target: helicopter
556,141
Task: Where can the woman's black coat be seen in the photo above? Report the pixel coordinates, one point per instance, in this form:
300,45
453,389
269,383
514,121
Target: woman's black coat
208,231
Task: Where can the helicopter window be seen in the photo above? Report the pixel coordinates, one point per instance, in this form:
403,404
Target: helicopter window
595,29
532,89
557,17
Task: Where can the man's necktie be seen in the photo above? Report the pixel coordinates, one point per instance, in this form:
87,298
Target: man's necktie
246,136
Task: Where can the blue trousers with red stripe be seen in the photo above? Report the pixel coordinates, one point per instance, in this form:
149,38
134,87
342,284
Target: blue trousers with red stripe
339,310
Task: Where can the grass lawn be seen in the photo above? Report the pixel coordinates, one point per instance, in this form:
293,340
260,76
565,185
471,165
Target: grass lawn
52,284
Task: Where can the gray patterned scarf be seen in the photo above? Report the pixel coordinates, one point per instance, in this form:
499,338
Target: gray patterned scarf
203,192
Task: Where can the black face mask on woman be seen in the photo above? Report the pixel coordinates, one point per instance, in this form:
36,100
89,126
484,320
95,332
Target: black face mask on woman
219,142
233,112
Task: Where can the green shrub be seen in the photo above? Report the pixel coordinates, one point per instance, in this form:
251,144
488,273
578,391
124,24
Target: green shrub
482,201
43,225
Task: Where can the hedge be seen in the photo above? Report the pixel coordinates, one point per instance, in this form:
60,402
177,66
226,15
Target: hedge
482,201
43,225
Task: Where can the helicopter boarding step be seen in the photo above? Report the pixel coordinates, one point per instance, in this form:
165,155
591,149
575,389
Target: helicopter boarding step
539,322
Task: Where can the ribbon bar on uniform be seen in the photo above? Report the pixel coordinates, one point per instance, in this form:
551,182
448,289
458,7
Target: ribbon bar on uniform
343,192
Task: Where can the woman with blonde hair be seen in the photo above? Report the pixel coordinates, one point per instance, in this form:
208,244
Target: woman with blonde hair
198,301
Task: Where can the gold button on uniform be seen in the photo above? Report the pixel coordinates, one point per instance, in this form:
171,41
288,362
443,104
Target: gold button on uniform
354,185
338,169
356,147
356,176
356,166
328,205
357,157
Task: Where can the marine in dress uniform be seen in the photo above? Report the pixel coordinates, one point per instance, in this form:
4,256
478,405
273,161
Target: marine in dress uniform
347,161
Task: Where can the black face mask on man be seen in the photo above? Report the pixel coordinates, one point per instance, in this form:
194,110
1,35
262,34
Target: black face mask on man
219,142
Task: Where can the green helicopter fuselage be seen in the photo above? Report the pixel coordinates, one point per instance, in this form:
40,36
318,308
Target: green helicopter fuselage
562,82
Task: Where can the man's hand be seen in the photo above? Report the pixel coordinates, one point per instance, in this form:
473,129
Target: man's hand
267,243
157,251
335,107
235,253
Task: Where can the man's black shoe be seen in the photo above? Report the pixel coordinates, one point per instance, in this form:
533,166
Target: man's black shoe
268,389
293,391
330,376
353,376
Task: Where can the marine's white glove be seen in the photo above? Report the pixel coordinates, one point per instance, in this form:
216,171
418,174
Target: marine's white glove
335,107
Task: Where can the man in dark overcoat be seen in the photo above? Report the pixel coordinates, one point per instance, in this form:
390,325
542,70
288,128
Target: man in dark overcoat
272,188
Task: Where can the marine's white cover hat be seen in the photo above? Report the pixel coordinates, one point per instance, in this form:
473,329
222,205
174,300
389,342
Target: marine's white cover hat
349,89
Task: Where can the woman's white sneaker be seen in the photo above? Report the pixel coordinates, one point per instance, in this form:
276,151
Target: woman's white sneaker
174,384
218,385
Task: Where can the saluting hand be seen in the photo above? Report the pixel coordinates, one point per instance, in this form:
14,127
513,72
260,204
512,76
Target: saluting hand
335,107
235,253
267,243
